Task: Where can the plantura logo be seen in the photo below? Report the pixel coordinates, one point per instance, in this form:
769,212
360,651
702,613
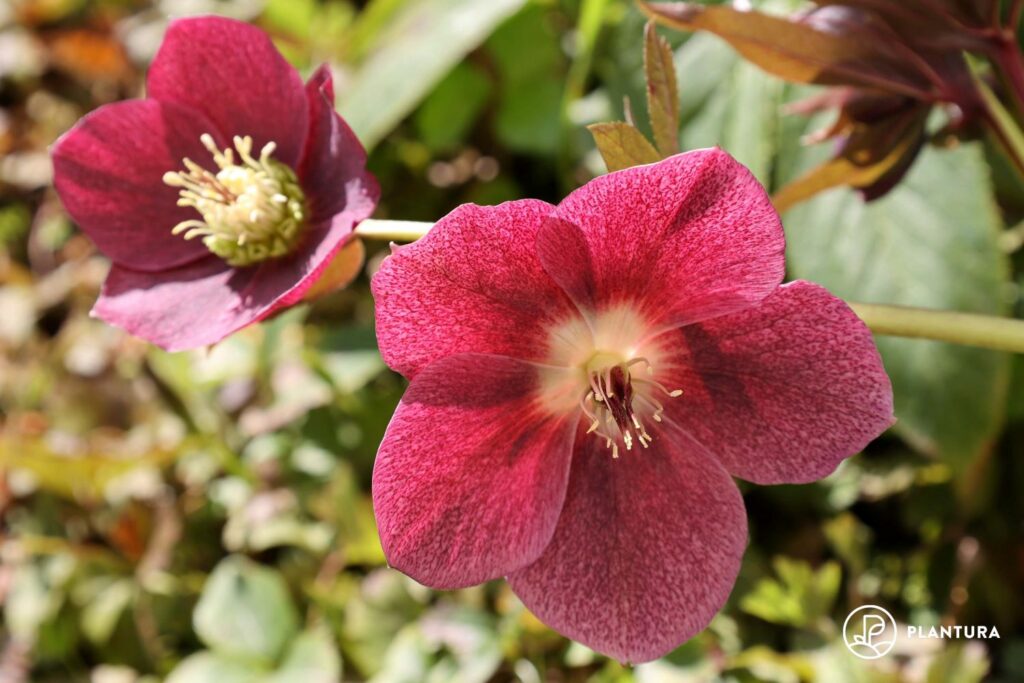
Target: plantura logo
956,631
869,632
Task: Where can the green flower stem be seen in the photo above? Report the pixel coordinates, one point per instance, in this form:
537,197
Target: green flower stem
969,329
394,231
1002,124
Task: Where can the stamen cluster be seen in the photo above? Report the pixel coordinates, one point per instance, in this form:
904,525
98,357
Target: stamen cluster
617,401
252,209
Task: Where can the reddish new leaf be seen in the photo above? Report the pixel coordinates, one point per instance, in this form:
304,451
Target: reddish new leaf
873,159
857,53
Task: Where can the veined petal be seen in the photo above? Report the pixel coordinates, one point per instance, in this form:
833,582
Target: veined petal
686,239
472,285
203,302
333,165
283,282
108,171
646,551
783,391
176,309
231,71
470,478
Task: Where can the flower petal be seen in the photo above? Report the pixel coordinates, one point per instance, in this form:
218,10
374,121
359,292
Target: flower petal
177,309
471,475
333,166
203,302
646,551
685,239
285,281
108,171
340,272
783,391
231,71
473,284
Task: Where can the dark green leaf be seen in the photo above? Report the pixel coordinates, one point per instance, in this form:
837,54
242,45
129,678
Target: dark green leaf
447,115
415,49
932,242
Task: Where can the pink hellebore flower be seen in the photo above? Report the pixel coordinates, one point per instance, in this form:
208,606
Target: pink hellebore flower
222,196
584,380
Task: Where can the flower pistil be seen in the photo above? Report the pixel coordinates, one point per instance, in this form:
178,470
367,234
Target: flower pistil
252,209
616,400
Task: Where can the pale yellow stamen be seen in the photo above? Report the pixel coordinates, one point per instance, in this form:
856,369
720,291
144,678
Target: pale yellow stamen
252,209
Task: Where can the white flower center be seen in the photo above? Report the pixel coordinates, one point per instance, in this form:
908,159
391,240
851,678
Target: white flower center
252,210
609,374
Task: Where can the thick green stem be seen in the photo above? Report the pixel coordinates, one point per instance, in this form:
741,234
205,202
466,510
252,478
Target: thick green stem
969,329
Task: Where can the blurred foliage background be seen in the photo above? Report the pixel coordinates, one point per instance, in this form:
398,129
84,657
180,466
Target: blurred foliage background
205,516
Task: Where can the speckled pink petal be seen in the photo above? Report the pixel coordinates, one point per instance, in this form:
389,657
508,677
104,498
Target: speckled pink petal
333,165
685,239
203,302
783,391
108,171
646,551
471,475
231,71
473,284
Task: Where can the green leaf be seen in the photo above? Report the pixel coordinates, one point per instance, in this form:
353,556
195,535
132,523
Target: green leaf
207,667
932,242
622,145
380,615
662,91
528,120
799,597
36,594
530,26
312,658
86,475
245,611
447,115
729,103
416,48
528,117
407,659
102,612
